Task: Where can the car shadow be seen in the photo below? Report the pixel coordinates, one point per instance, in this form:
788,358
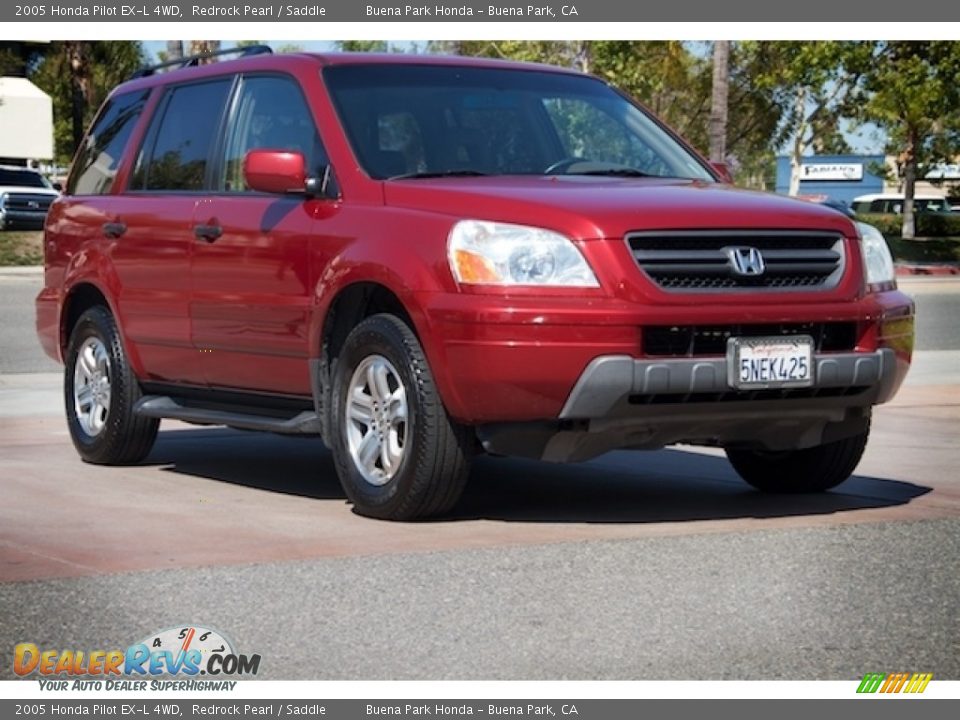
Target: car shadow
285,464
672,485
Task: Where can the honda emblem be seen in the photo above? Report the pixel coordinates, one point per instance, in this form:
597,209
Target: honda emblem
746,261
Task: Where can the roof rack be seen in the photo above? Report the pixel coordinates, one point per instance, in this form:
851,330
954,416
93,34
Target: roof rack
194,60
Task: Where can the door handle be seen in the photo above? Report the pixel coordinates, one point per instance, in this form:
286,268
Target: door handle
207,232
114,229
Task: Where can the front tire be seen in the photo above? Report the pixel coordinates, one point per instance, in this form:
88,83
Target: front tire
397,453
100,391
810,470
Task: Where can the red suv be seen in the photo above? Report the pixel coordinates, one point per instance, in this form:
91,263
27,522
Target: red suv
421,258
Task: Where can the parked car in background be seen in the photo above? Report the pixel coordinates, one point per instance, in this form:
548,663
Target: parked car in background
832,203
893,204
25,198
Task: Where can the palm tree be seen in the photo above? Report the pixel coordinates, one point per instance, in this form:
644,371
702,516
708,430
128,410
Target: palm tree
77,56
718,105
200,47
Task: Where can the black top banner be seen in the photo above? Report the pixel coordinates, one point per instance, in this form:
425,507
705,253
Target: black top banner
569,11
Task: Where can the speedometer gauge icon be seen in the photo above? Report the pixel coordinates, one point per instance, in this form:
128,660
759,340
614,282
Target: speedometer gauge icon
184,638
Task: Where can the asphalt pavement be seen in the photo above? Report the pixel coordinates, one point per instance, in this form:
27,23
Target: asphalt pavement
633,566
790,604
20,351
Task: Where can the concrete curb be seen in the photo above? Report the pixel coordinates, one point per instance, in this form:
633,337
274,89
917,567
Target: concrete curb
19,270
939,269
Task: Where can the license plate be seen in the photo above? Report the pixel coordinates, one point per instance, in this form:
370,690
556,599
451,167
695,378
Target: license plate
770,362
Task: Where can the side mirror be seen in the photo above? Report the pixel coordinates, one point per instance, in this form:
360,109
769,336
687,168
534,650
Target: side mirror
58,187
275,171
285,171
723,170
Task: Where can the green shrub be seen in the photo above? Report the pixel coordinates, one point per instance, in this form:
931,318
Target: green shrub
935,250
927,224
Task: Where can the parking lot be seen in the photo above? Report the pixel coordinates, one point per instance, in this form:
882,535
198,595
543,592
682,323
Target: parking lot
632,566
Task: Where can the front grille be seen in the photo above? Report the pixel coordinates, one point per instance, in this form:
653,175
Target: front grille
683,261
701,340
27,202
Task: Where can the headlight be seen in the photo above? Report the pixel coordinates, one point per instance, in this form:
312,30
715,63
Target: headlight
877,261
491,253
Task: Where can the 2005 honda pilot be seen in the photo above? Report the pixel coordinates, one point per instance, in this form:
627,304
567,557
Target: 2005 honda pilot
422,258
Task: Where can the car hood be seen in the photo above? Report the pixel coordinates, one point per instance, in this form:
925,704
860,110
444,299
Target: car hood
28,190
596,207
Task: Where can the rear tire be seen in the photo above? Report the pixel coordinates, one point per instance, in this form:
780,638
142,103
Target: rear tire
100,391
809,470
399,456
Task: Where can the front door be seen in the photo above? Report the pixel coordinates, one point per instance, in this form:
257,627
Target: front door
251,272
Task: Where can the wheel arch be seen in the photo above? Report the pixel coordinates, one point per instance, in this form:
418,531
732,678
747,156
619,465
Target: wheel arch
350,305
83,295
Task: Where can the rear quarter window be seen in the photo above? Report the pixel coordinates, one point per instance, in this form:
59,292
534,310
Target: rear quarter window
99,157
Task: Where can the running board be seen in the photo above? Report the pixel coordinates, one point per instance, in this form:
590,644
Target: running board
161,406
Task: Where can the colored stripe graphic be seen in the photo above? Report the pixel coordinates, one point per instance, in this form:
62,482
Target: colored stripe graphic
870,683
918,683
895,682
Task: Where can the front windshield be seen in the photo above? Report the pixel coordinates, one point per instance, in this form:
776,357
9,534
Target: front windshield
22,178
436,120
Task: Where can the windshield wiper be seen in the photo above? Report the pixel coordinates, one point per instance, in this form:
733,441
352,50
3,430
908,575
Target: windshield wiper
616,172
440,174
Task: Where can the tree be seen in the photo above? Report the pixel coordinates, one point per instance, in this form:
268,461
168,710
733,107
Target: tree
718,104
78,75
363,46
674,80
912,91
204,47
174,50
77,55
814,82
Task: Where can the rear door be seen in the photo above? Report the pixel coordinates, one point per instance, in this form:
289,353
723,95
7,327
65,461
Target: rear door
147,278
153,222
252,280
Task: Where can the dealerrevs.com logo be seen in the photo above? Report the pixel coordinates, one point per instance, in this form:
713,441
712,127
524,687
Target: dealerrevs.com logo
185,652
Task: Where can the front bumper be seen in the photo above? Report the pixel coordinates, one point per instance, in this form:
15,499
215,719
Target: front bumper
518,359
22,219
610,384
620,402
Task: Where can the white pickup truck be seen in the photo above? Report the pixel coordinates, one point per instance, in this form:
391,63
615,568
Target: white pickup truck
25,198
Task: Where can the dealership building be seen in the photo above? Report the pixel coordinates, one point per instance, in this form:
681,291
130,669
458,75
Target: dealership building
845,177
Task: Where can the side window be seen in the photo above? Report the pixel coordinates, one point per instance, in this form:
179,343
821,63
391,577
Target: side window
99,157
587,132
270,114
175,155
